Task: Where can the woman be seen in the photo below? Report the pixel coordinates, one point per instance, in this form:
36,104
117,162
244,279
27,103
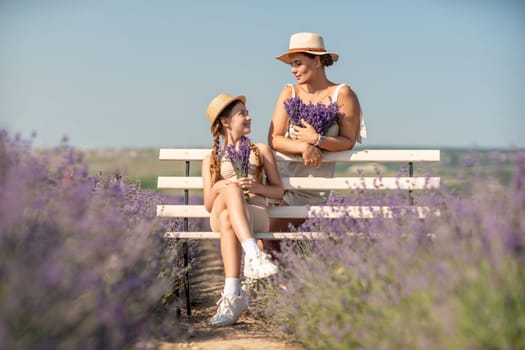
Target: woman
237,177
312,116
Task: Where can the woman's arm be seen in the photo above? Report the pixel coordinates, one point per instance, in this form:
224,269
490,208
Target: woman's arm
276,135
210,192
273,187
350,112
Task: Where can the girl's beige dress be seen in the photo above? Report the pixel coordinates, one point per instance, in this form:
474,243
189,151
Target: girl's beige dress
257,207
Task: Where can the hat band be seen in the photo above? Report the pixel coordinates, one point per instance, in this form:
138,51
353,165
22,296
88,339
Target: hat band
303,49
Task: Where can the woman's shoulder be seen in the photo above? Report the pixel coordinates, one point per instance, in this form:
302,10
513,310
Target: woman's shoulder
345,90
288,91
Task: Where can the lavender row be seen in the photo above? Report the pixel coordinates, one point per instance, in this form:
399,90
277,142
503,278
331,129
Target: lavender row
452,280
83,261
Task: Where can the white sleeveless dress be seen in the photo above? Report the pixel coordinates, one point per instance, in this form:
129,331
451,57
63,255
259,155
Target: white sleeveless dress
287,169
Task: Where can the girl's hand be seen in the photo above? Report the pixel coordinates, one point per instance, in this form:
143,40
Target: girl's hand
245,183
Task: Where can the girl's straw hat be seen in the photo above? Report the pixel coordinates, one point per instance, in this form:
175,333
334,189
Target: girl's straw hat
218,104
306,42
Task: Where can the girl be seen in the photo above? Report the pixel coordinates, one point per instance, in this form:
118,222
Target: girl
237,177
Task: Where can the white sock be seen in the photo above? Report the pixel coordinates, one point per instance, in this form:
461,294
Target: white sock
250,247
232,286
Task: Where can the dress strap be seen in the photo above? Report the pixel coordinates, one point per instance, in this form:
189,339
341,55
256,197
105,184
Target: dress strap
293,89
335,95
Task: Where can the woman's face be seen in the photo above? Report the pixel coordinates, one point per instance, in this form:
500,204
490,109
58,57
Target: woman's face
303,67
239,121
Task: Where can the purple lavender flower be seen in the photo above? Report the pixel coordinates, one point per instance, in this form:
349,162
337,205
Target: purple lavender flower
376,278
320,116
240,158
83,261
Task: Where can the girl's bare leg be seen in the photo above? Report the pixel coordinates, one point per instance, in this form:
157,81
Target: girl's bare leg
231,203
231,213
238,212
231,250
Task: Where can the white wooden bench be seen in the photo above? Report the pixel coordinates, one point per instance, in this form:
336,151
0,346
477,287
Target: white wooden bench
409,183
373,183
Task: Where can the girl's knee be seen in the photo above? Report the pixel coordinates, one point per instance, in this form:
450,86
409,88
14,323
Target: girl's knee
232,190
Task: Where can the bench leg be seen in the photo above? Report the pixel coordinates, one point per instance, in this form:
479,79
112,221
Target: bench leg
185,247
410,174
186,277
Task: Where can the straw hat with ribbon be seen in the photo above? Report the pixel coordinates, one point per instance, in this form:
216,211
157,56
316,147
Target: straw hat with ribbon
218,104
306,42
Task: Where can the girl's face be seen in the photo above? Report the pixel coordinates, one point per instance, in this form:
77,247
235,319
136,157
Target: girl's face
239,122
303,67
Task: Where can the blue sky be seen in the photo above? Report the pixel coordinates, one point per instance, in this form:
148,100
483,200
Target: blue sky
141,73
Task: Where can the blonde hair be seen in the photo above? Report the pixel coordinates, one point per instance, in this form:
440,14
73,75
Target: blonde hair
215,161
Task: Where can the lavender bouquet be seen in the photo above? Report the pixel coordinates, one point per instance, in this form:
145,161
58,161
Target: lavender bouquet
320,116
239,158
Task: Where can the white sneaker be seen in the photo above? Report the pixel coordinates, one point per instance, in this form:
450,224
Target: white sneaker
230,308
259,266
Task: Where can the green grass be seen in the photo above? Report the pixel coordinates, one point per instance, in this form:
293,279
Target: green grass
137,165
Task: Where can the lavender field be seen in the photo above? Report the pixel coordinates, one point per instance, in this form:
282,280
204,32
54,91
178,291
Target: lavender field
83,264
450,281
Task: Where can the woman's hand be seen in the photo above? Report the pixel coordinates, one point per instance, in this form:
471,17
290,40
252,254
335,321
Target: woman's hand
305,134
312,156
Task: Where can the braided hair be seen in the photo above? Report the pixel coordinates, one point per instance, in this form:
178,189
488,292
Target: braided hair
215,164
258,162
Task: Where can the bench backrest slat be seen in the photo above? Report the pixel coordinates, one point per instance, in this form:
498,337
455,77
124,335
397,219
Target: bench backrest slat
375,155
320,183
